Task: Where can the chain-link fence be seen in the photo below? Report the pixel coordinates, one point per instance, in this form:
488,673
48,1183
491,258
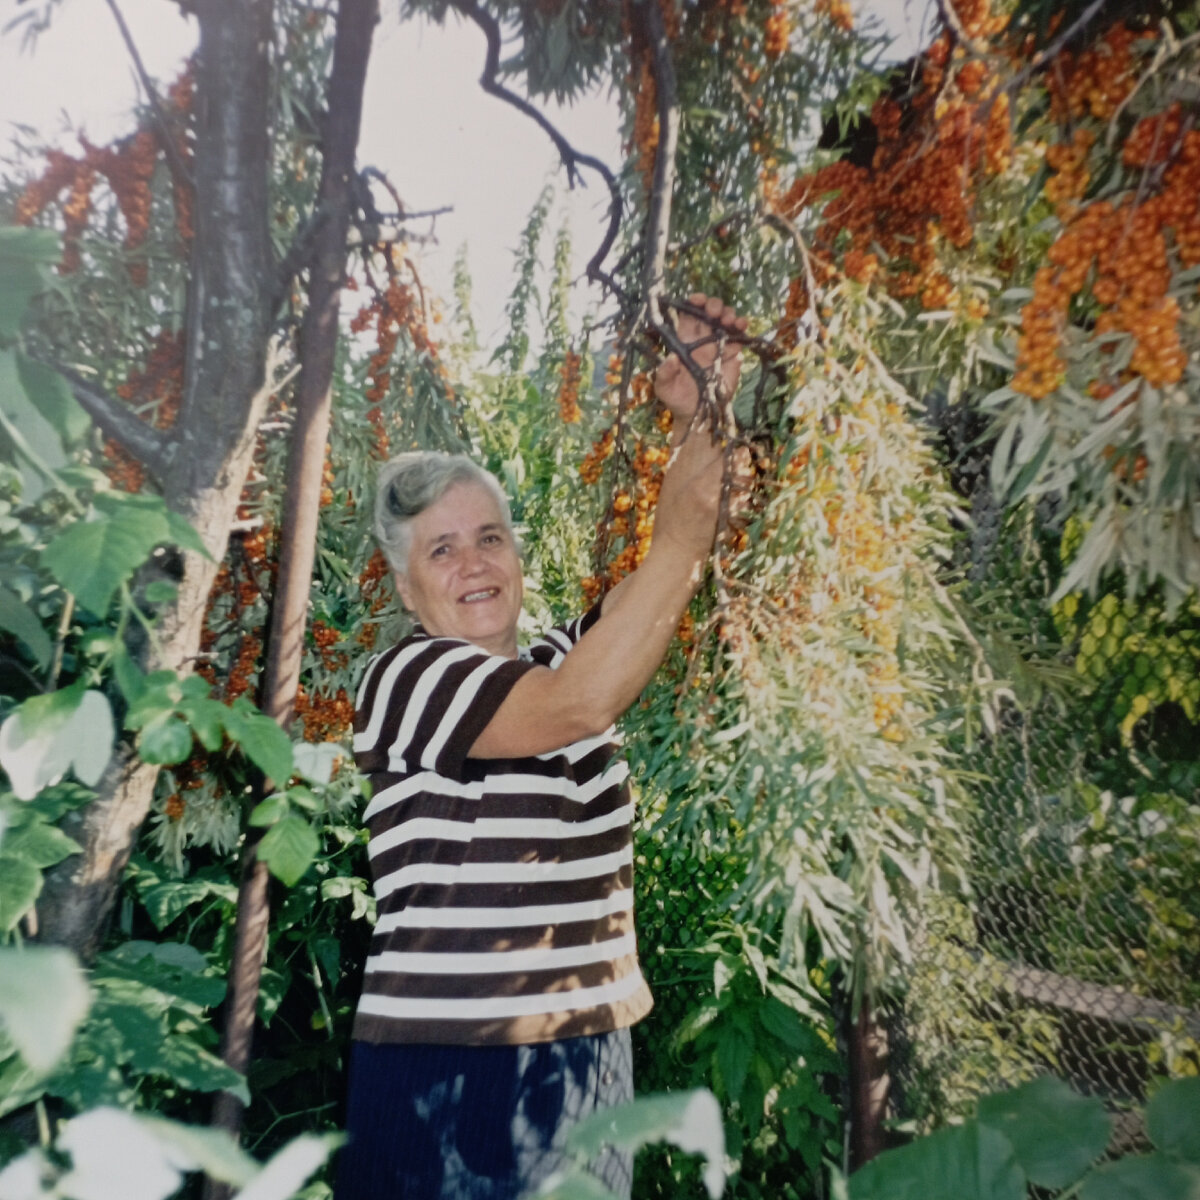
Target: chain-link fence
1078,948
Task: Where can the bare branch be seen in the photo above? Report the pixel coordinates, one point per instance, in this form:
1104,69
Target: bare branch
572,159
178,166
147,444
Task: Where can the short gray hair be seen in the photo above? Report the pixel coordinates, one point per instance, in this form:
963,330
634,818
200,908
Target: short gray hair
409,483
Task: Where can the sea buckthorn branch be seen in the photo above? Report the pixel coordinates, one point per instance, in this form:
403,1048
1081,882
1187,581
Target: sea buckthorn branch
1051,52
1169,47
150,446
658,216
179,167
572,159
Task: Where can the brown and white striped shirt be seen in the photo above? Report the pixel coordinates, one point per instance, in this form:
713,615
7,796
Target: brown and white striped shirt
504,886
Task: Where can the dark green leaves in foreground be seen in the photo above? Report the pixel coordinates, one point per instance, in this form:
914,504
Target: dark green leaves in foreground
1044,1134
92,558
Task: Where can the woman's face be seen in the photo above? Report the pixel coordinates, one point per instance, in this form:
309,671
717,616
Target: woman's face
464,575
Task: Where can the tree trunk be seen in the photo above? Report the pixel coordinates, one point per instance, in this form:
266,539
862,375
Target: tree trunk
228,324
289,613
869,1086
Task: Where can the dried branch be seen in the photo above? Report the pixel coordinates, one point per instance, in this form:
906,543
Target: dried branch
147,444
179,167
572,159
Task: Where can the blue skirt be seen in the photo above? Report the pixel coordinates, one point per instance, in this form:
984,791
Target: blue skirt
433,1122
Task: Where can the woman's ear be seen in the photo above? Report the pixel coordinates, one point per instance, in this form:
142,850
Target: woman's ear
402,590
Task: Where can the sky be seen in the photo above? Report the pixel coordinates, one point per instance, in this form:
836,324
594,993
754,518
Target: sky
426,124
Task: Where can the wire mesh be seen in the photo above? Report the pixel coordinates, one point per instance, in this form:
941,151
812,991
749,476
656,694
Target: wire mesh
1078,948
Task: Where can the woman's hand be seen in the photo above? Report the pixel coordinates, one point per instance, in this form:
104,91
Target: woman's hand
673,382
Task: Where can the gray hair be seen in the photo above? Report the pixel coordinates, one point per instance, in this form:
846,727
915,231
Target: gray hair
409,483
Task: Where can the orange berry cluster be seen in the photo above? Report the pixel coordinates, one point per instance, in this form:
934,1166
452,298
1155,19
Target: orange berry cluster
1095,81
645,121
568,389
160,382
324,718
593,461
838,11
326,637
245,666
128,166
1069,162
778,28
1122,251
327,479
369,581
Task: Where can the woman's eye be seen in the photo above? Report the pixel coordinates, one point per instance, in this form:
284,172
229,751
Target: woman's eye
439,551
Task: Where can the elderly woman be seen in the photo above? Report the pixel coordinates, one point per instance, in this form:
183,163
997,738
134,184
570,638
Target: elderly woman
503,974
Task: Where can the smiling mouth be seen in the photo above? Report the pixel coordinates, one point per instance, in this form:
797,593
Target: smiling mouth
475,597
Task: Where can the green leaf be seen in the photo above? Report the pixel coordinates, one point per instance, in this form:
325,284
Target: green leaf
207,719
165,901
734,1051
287,1170
24,256
21,621
91,559
289,848
1055,1133
36,446
165,739
690,1120
71,729
966,1162
51,395
1173,1119
40,844
270,810
261,739
1143,1177
43,997
193,1067
129,676
212,1151
183,534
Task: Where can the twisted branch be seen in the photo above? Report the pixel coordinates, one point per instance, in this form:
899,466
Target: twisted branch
572,159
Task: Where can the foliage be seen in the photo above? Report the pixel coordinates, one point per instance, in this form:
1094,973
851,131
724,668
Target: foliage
1044,1136
107,1153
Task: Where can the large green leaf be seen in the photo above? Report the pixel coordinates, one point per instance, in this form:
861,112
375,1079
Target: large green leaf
165,739
39,844
211,1150
1173,1118
71,729
91,559
20,886
1056,1133
25,255
21,621
51,395
262,740
36,447
1143,1177
690,1120
43,997
966,1162
166,900
289,848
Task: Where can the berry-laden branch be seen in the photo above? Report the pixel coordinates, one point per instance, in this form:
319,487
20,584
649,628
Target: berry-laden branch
179,167
571,158
148,445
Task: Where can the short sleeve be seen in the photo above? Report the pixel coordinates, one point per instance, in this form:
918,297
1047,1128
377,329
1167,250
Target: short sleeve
549,649
424,709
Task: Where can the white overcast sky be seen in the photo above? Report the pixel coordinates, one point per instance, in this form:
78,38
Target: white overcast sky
426,123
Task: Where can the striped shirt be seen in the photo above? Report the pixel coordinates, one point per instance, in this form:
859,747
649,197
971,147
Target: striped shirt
504,886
